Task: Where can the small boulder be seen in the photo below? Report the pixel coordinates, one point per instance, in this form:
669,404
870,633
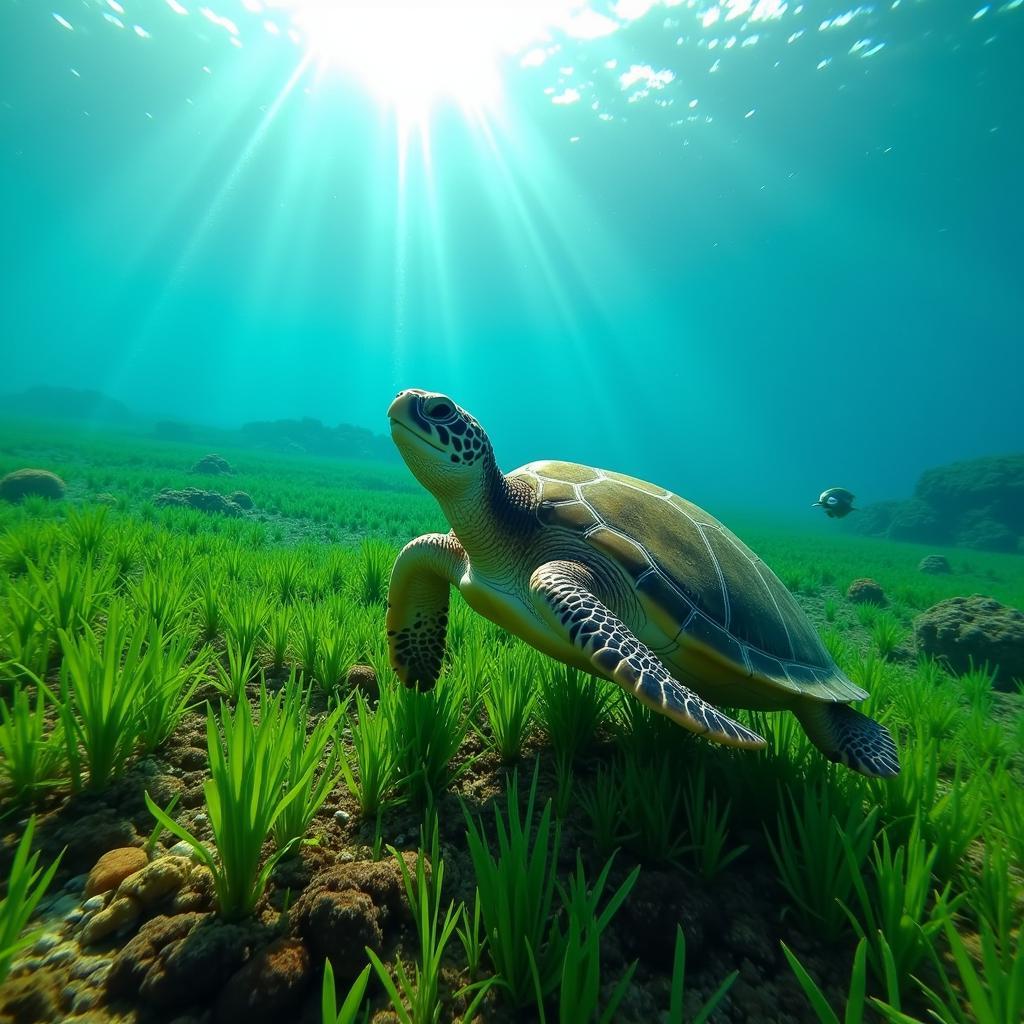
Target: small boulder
113,868
25,483
194,497
181,960
934,565
138,893
242,499
364,678
269,987
213,465
346,908
962,631
866,591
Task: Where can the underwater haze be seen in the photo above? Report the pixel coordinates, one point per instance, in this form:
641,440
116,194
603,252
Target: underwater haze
746,250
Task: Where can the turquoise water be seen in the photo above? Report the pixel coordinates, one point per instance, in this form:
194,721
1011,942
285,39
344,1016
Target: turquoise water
747,250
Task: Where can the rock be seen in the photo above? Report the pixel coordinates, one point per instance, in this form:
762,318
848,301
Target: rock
345,908
269,987
977,503
113,868
976,629
866,591
91,835
182,960
934,565
203,501
24,483
31,998
915,520
213,465
980,531
138,893
241,499
364,678
121,915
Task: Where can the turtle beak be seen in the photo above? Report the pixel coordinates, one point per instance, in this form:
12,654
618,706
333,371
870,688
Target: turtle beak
399,408
817,504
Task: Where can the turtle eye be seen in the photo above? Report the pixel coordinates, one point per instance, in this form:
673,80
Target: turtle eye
439,410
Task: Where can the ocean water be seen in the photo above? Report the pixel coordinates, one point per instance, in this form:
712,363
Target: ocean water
747,250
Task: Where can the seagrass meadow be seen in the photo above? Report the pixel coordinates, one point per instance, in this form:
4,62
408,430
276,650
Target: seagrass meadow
290,288
217,802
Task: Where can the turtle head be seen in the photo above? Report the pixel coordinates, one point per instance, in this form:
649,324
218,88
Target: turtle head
445,447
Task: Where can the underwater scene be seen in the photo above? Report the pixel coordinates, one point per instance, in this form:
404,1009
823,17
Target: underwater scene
511,512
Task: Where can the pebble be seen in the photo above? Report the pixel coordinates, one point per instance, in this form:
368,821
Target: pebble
342,817
76,884
61,955
99,976
94,903
86,999
347,857
182,849
30,963
74,916
86,966
200,819
45,942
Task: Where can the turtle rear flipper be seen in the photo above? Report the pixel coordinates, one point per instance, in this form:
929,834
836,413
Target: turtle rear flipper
563,594
851,738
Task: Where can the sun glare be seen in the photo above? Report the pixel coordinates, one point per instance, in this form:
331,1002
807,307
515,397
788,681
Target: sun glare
412,53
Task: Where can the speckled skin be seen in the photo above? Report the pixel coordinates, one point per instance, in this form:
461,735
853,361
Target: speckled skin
618,577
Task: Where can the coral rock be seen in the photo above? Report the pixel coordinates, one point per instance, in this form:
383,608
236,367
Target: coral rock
866,591
242,499
962,631
346,907
202,501
213,465
24,483
269,987
113,868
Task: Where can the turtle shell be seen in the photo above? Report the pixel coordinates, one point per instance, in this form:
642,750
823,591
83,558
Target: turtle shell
697,583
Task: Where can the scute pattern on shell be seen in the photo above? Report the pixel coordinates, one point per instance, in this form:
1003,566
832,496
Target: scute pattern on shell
695,579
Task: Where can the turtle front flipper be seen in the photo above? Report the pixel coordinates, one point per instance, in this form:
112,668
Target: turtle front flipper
417,620
563,593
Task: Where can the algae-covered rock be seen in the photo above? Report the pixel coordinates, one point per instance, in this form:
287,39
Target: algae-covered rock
934,565
242,499
866,591
194,497
269,988
25,483
113,868
182,960
364,678
977,503
966,631
138,892
346,908
213,465
915,520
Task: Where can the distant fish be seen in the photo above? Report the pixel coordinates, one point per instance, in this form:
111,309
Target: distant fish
836,501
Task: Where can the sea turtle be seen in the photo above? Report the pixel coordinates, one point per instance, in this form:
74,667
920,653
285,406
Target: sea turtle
836,501
615,576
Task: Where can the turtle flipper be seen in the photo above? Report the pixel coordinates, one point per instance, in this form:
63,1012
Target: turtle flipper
417,620
845,735
563,593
